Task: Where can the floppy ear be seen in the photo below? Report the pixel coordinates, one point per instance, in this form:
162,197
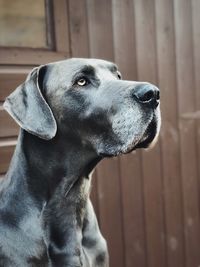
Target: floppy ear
29,108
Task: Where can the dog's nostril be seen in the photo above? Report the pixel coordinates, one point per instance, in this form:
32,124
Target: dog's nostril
147,93
157,95
148,96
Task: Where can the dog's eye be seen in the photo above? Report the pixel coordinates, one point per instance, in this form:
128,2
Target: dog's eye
82,82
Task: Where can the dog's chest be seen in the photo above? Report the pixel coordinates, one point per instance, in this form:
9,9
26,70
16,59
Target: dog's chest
22,249
24,244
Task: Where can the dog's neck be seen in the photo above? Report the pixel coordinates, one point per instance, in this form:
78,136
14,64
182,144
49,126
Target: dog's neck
39,166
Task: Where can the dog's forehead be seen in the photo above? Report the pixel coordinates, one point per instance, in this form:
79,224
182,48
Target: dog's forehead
73,65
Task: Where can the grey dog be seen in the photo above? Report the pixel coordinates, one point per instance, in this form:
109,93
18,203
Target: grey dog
72,114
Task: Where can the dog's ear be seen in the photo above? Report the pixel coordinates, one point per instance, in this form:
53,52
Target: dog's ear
29,108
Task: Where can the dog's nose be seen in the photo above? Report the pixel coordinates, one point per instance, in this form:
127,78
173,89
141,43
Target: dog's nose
147,94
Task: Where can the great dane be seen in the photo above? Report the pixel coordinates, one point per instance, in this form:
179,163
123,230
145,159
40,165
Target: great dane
72,114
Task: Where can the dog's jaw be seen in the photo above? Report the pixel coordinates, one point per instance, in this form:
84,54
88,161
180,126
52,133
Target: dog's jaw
151,135
158,125
145,139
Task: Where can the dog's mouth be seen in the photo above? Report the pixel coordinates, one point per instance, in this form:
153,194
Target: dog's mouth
148,139
149,136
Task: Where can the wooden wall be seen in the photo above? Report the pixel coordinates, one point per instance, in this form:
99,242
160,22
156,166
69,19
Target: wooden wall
148,203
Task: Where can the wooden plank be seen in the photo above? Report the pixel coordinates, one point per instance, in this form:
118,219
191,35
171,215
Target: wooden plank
80,48
170,134
130,165
10,78
78,28
151,163
124,31
186,104
100,29
6,151
8,127
101,46
196,56
60,11
16,56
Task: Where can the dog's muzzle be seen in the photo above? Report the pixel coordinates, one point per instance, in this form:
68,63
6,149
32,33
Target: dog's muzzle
148,96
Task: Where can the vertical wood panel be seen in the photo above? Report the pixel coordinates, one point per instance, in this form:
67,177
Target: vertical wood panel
124,38
196,56
151,163
170,134
78,28
130,165
61,27
80,48
186,103
101,46
100,29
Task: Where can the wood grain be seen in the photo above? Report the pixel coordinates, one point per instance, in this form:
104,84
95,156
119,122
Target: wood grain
145,26
170,134
188,148
147,203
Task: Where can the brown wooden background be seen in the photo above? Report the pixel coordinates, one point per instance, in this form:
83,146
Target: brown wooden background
148,203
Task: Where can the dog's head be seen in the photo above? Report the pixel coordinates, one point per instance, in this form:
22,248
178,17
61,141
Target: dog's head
87,99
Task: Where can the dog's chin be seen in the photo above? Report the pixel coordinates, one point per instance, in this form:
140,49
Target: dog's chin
148,139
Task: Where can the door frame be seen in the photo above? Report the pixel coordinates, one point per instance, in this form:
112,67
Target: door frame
57,21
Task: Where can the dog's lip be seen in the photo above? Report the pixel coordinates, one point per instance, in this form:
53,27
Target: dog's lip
151,131
144,141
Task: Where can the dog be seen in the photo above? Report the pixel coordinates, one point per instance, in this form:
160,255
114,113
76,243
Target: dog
72,114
